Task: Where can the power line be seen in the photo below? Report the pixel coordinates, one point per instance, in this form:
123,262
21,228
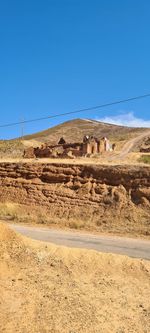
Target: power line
76,111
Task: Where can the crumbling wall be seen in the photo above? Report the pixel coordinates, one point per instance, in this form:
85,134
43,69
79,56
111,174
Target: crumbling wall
29,153
89,146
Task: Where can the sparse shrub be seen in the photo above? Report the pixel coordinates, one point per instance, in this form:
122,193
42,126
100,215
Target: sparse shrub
76,224
44,218
145,159
15,212
99,223
8,211
11,148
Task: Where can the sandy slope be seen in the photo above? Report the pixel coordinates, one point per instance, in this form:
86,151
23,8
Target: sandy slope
45,288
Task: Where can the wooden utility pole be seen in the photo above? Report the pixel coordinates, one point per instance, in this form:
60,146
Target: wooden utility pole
22,129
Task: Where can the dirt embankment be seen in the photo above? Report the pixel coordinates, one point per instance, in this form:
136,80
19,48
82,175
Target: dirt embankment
103,198
50,289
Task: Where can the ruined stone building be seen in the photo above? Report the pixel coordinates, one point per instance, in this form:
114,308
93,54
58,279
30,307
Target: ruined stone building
89,146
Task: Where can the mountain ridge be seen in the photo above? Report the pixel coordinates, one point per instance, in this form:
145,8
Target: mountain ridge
74,130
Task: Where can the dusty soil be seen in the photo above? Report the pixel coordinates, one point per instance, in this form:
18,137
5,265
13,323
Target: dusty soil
101,198
111,158
50,289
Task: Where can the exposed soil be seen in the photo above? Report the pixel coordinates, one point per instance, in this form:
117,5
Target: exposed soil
50,289
101,198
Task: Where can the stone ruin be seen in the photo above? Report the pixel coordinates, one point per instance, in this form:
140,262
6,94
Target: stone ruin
89,146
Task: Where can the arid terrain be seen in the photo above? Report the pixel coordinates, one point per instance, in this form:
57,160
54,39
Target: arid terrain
74,131
50,289
96,198
46,288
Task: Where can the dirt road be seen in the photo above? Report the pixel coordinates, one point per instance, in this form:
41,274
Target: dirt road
135,248
129,145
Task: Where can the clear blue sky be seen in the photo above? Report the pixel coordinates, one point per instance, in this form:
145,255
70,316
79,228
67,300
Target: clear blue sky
60,55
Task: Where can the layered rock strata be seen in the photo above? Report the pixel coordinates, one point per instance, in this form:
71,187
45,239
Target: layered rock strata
101,195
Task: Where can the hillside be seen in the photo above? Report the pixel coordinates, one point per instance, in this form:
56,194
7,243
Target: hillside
50,289
74,130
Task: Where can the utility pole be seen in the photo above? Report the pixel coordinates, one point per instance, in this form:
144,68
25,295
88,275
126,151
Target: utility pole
22,129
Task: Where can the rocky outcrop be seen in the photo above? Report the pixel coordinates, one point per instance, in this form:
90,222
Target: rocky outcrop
93,194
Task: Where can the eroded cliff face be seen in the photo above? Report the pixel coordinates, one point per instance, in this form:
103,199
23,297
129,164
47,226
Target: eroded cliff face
102,197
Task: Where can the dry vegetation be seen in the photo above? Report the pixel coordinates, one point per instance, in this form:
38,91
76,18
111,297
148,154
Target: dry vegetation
11,148
145,159
50,289
21,214
132,158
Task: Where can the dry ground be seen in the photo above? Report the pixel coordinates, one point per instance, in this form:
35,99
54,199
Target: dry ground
50,289
31,216
132,158
74,131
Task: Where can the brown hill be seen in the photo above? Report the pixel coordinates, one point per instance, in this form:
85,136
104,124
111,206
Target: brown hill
74,130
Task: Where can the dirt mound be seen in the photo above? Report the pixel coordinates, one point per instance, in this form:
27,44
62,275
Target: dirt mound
53,289
9,240
12,248
7,235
